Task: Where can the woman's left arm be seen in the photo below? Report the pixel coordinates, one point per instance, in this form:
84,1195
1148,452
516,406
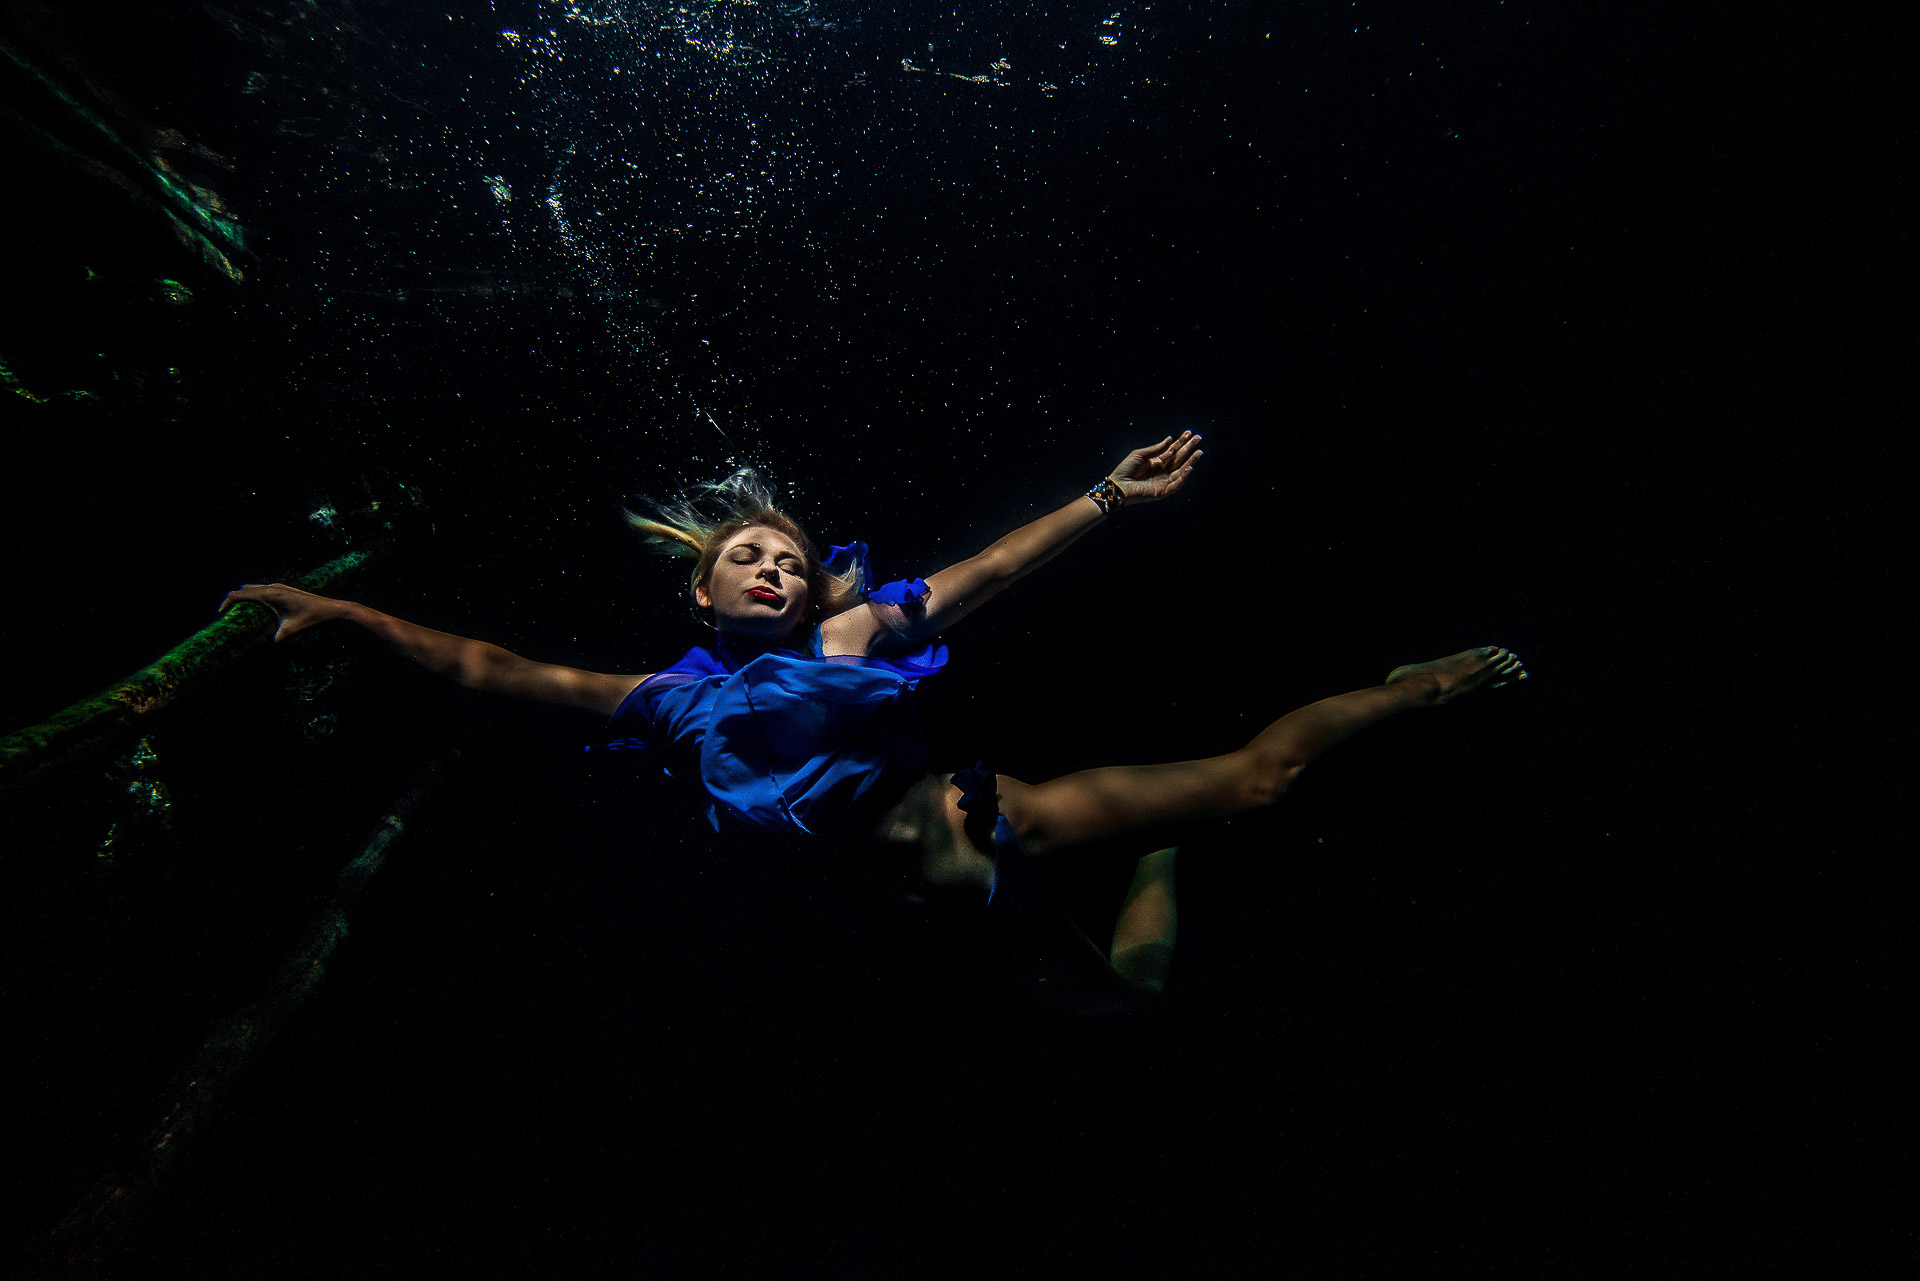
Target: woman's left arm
1143,476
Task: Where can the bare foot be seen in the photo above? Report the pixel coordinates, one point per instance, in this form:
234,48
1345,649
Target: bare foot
1464,672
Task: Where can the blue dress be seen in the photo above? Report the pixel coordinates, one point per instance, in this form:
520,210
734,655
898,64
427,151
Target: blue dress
788,741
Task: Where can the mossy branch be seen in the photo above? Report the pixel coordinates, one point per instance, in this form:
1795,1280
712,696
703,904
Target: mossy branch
95,725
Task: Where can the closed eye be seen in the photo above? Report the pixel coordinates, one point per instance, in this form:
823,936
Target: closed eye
747,553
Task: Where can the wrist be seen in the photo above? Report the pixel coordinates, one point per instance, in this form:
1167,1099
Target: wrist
1107,495
347,611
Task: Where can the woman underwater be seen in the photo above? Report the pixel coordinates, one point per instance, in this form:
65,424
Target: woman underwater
799,725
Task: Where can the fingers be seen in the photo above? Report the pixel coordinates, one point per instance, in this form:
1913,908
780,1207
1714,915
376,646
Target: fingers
1145,459
1176,452
1180,463
1173,451
247,591
254,593
1161,468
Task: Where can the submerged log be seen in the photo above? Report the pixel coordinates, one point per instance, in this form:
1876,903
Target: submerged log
96,725
86,1239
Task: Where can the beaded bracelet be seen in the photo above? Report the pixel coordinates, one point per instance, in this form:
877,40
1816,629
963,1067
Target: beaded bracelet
1108,496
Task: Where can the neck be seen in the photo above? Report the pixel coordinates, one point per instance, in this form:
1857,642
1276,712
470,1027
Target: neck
737,642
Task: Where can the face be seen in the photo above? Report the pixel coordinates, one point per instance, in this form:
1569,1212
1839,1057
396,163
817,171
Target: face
758,585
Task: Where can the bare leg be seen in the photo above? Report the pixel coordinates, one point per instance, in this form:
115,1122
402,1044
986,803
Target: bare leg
1114,801
1127,801
1143,935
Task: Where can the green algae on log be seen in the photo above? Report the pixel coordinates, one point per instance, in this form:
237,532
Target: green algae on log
108,1214
11,382
94,725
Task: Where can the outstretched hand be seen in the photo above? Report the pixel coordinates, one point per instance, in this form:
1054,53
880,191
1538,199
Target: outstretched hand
296,610
1158,470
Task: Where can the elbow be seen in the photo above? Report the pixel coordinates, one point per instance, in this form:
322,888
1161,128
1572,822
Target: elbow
482,667
996,567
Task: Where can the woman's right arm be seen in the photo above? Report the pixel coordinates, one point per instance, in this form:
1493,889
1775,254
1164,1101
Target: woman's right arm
475,664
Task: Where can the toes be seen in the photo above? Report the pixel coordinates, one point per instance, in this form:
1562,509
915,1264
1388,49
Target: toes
1506,665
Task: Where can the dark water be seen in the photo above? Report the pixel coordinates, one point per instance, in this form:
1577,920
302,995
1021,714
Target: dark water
1572,328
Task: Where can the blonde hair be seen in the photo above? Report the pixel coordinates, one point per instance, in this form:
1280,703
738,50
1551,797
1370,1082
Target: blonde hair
700,521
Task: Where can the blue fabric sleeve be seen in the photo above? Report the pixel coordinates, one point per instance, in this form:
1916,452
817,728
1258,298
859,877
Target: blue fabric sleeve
627,727
631,728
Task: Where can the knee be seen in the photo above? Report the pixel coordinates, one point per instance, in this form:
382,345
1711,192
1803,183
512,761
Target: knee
1144,966
1265,778
1037,826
